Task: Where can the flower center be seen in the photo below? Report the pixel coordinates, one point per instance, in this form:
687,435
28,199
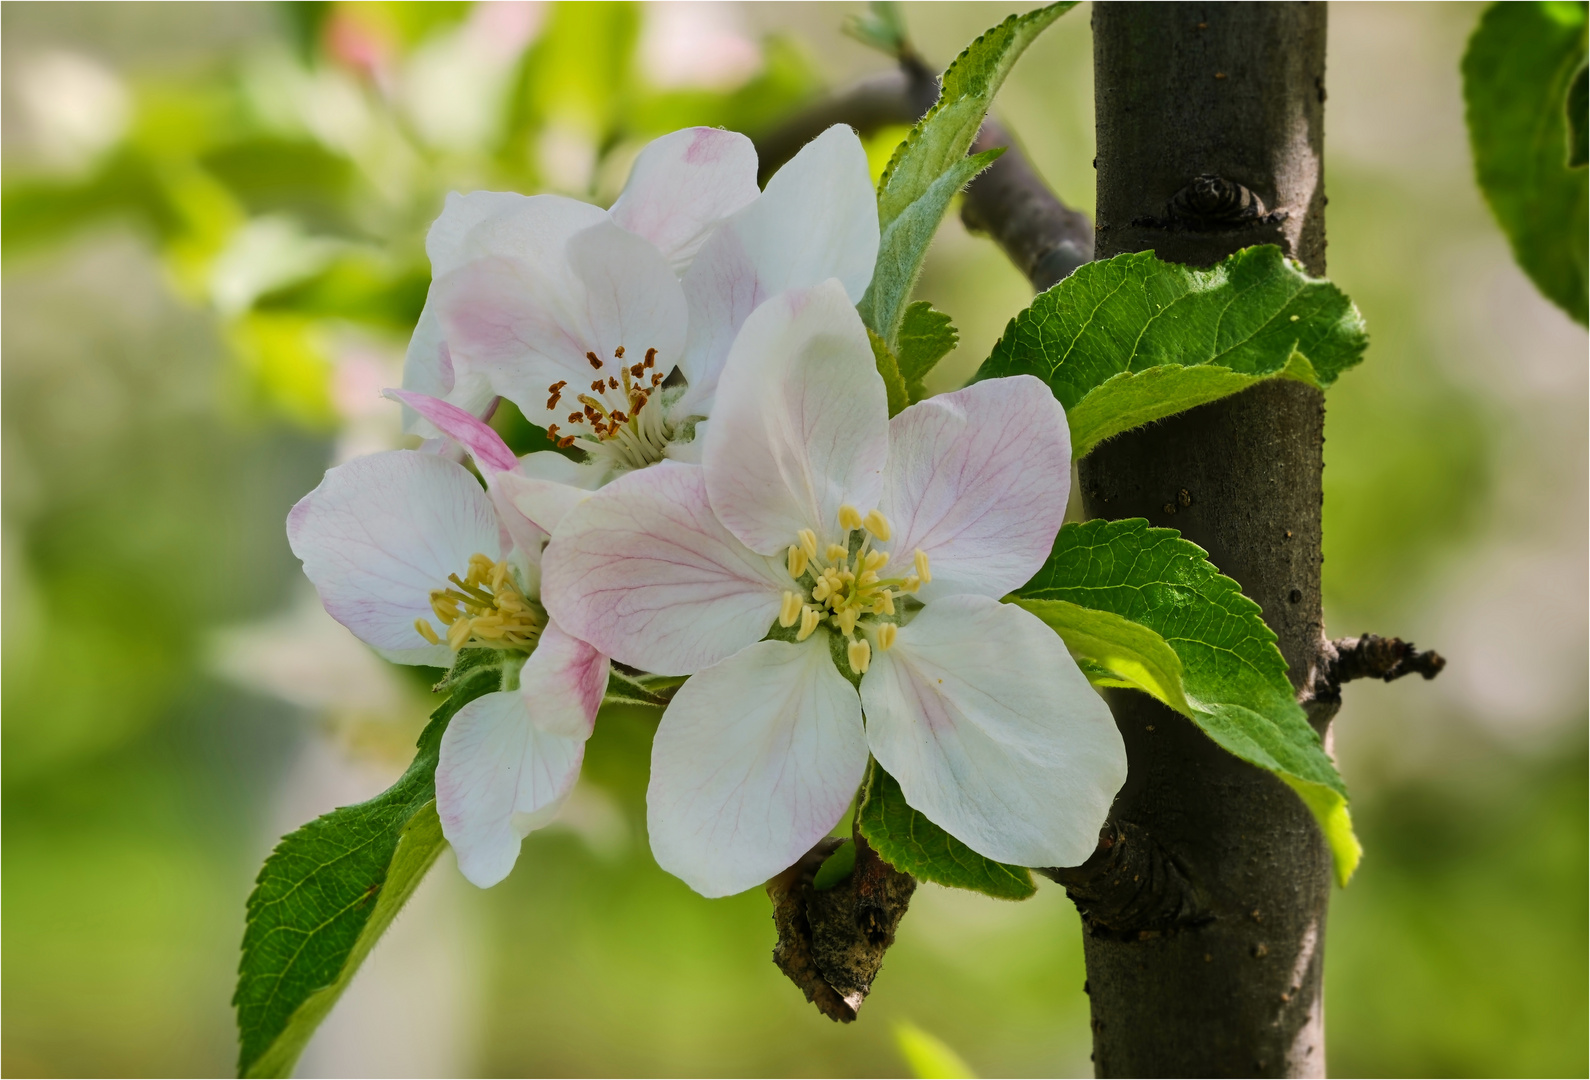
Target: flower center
845,587
613,414
485,610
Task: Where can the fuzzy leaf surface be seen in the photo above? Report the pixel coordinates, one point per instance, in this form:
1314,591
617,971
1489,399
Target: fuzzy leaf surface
907,841
926,337
1132,339
330,890
931,165
1165,607
1523,83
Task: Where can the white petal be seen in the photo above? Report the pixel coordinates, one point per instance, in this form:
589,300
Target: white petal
381,532
546,485
484,224
801,421
563,683
428,369
644,572
978,479
818,219
682,185
498,777
756,759
993,732
526,325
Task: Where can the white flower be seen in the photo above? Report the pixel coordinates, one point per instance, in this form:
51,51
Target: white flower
609,328
820,547
411,555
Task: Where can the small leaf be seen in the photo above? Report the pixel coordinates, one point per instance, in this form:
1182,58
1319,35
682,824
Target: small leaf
836,868
1148,610
1520,75
906,840
1577,105
926,337
889,369
931,165
330,889
929,1057
882,27
1132,339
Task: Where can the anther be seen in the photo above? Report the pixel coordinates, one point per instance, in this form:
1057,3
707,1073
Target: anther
576,417
875,560
612,384
596,361
426,632
637,371
886,634
618,353
789,610
808,542
922,570
859,653
797,561
599,385
849,517
823,589
651,357
810,617
847,620
836,553
877,525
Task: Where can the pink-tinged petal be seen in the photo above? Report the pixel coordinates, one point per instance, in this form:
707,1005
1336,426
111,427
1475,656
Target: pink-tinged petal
682,185
563,683
499,777
428,369
484,224
491,454
818,219
801,421
644,572
994,733
527,325
756,759
978,479
543,503
381,532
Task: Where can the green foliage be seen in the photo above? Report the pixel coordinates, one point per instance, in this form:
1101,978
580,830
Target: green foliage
1129,340
931,165
630,687
836,868
882,27
910,842
929,1056
1149,608
926,337
330,890
889,370
1524,83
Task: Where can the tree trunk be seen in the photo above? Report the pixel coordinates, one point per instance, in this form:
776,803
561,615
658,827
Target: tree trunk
1210,127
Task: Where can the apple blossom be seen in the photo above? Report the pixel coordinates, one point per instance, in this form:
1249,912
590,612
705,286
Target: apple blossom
408,552
609,327
831,579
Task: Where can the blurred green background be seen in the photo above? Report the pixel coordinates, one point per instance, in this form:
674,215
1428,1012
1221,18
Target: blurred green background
213,227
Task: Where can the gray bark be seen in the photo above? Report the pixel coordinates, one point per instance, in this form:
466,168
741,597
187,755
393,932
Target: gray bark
1209,963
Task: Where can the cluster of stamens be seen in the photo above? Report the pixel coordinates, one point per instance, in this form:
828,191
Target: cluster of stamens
613,405
485,610
845,586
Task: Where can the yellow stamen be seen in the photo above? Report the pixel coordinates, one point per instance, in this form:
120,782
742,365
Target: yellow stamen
822,589
789,610
849,517
836,553
922,570
875,560
886,635
797,561
911,583
859,653
810,617
484,610
426,632
877,525
808,541
846,618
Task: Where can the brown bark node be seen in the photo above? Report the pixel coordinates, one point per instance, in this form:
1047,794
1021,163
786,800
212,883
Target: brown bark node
1209,139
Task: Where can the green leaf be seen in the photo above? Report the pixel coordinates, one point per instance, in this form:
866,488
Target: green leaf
1132,339
640,688
1521,64
329,891
909,842
1577,105
929,1057
931,165
882,27
926,337
836,868
1146,609
889,370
